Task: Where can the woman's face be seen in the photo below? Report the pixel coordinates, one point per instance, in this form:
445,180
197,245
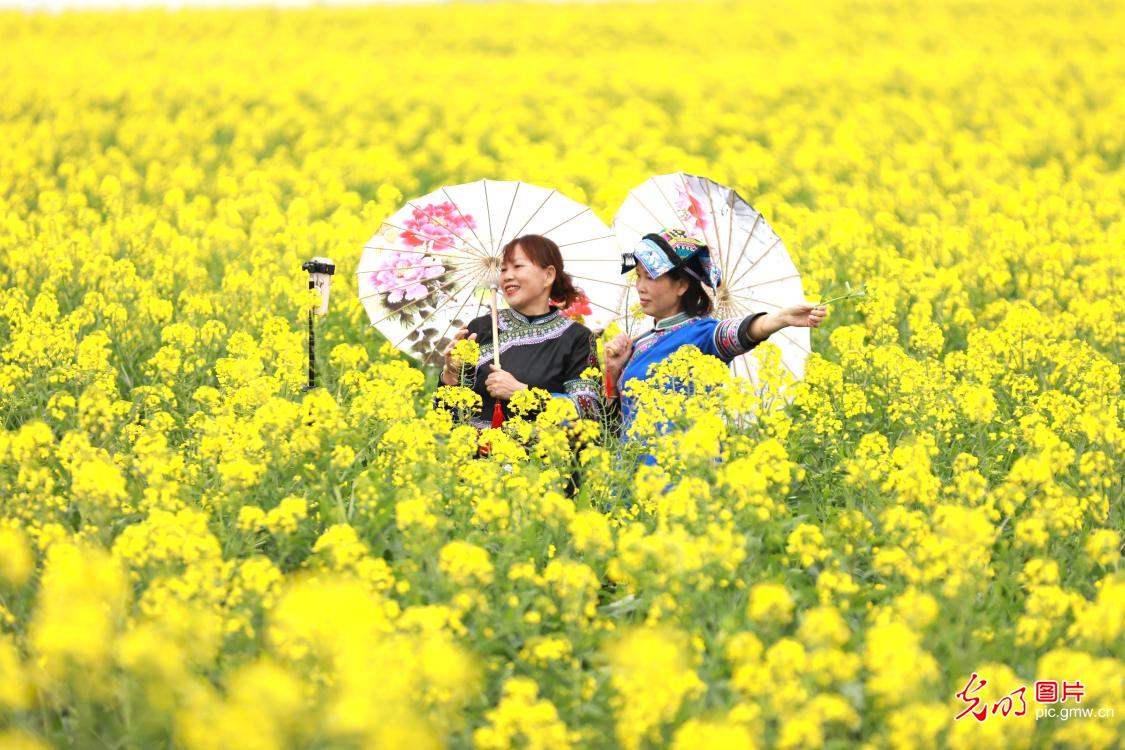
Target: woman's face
660,297
526,286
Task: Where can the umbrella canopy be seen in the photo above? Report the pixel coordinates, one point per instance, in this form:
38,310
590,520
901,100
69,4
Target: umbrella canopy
427,271
757,273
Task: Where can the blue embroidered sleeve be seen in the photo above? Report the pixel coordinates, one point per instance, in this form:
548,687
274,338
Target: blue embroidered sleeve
732,337
725,339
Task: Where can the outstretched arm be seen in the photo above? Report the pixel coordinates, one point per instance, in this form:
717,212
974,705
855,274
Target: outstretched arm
802,315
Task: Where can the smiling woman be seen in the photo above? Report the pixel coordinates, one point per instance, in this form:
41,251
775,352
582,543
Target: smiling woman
672,270
195,552
539,346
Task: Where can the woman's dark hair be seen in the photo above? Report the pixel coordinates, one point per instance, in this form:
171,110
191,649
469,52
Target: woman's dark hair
696,301
545,253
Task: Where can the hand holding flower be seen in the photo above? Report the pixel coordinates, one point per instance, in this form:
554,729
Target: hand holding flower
450,371
801,315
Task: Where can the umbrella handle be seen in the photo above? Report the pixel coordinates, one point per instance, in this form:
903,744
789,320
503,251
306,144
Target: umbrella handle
497,410
495,330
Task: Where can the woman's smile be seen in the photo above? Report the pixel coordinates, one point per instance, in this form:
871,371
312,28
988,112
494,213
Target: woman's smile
526,285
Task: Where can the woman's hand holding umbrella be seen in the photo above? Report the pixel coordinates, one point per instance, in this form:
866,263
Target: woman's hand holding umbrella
502,385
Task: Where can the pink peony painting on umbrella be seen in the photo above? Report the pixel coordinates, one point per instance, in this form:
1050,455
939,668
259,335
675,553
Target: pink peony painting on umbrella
403,276
413,268
691,211
438,226
431,266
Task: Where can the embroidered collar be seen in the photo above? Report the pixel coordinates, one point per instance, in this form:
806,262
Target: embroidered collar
534,320
517,329
672,322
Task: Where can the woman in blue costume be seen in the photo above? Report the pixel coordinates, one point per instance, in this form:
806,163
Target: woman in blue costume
672,270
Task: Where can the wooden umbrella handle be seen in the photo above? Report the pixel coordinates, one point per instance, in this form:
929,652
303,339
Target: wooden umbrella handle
495,331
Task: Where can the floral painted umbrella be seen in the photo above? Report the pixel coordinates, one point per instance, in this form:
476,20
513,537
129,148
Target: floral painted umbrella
429,269
757,272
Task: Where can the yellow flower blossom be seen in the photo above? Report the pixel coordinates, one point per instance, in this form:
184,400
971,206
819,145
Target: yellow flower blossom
196,551
770,603
652,676
465,564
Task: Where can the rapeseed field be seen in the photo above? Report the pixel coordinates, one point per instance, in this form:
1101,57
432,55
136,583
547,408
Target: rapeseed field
196,553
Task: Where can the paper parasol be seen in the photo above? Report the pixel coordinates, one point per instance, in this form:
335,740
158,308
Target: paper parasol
757,273
427,271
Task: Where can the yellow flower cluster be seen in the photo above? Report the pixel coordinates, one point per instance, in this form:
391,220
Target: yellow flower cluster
196,551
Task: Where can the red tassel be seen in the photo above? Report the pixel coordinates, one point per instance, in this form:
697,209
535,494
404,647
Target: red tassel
608,385
497,415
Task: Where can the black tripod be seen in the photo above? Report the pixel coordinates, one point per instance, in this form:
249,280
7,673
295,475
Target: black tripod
320,275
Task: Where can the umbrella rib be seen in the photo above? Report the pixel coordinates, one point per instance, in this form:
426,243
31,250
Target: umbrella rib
488,213
794,343
462,215
655,219
771,281
592,260
533,213
417,326
411,303
412,265
783,362
671,207
711,203
583,212
750,268
787,367
790,369
589,239
617,314
415,232
424,320
512,205
747,298
600,281
727,261
480,305
618,220
456,315
480,251
413,251
687,194
746,244
598,304
443,240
